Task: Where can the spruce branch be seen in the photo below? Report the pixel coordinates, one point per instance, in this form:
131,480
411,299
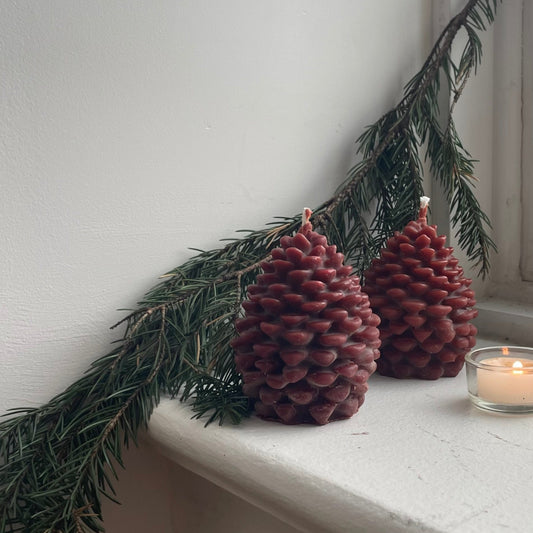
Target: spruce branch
58,460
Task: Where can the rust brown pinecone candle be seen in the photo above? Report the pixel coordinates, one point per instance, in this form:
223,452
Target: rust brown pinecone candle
308,341
424,301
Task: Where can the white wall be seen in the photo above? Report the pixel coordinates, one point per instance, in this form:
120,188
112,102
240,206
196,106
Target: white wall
132,130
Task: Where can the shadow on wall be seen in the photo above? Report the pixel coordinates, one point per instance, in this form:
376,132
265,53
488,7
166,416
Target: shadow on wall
160,496
144,492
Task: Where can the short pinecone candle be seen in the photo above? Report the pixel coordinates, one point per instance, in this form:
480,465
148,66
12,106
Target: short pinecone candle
308,341
424,302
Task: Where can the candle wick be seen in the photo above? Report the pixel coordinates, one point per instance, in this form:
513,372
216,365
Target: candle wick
306,215
424,202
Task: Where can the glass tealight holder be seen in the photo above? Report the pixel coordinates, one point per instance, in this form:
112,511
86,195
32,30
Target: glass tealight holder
500,378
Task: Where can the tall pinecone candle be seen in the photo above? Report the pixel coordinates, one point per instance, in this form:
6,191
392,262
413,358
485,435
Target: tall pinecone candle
424,301
308,341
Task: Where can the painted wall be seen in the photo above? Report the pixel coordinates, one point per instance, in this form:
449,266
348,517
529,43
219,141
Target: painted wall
133,130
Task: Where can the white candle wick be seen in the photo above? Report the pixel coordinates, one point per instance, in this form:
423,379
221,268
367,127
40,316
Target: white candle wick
306,215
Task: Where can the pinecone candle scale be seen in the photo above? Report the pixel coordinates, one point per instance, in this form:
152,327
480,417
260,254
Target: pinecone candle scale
424,301
309,340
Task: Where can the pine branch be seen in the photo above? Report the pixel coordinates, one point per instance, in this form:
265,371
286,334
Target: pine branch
60,459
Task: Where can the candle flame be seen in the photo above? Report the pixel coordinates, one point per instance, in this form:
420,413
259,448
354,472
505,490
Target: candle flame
505,351
518,364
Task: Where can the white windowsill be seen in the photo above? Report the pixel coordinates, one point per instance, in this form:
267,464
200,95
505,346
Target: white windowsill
508,320
418,457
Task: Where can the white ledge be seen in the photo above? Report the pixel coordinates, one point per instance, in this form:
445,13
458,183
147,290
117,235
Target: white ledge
506,319
418,457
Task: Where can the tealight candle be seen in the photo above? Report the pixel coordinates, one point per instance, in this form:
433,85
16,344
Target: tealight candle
501,378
